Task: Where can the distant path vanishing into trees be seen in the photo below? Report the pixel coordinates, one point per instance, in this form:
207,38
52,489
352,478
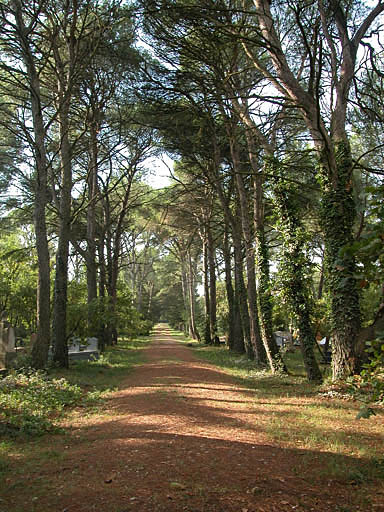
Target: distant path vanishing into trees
183,436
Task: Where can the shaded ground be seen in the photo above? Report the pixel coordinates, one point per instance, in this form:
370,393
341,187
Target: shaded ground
183,436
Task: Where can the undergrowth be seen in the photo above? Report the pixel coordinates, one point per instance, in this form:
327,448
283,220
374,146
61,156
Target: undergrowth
32,403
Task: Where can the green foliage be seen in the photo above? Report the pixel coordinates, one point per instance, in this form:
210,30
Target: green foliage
18,278
31,402
369,249
338,213
368,387
86,320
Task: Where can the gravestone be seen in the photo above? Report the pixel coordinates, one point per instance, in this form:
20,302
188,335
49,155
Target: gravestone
3,339
11,339
74,345
92,344
7,342
283,338
83,352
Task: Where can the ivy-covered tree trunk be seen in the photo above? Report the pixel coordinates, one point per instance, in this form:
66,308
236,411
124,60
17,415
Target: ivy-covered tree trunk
293,271
342,31
275,360
261,265
264,298
338,215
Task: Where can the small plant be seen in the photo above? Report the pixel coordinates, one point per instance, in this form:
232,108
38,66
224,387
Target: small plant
368,387
30,402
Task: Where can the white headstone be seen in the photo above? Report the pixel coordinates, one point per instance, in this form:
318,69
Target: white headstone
11,339
92,344
3,343
74,345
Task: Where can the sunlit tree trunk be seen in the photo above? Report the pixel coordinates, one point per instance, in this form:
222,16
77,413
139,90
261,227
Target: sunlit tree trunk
41,345
192,296
255,338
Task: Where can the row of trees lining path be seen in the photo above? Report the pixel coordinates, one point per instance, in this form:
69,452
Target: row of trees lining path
273,115
181,435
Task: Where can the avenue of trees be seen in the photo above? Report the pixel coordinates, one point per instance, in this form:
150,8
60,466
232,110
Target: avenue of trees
273,115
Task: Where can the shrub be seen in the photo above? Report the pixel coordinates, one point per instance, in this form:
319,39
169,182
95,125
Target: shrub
31,402
368,387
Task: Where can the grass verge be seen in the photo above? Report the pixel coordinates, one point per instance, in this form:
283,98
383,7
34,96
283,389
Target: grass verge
297,414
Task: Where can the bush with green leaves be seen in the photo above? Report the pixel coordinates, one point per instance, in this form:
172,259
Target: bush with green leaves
30,403
368,387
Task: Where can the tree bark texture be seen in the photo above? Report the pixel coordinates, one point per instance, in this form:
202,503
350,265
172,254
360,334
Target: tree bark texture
338,215
41,345
60,349
335,163
207,323
235,339
212,287
192,297
241,296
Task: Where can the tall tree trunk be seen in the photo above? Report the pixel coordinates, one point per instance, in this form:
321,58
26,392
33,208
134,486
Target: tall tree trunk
256,341
102,334
41,345
335,162
263,279
207,322
338,215
294,272
60,351
262,274
91,219
192,300
184,286
235,339
212,288
241,295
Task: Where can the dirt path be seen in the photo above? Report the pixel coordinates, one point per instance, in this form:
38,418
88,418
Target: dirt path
182,436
